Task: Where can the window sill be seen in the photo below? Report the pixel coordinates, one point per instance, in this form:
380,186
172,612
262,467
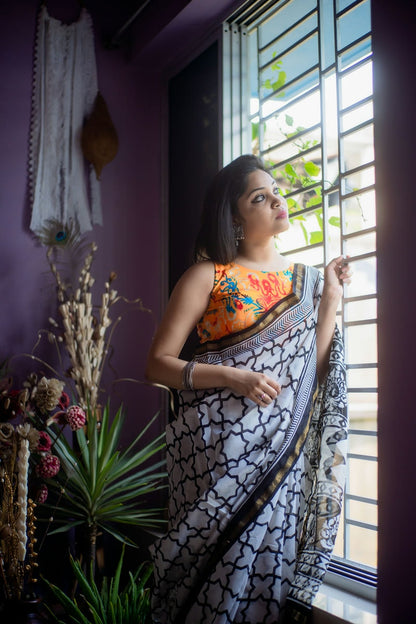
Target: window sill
333,605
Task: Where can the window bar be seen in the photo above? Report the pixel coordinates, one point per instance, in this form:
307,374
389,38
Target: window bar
358,64
357,128
361,525
236,91
290,83
351,6
351,107
312,149
291,103
323,145
357,169
226,95
261,120
346,536
289,49
363,432
289,29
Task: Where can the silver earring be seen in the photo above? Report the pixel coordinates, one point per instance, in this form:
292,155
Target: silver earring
238,233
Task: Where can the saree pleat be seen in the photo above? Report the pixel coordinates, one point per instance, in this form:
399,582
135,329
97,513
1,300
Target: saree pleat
255,493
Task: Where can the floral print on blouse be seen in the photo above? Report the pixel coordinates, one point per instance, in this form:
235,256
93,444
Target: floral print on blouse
240,296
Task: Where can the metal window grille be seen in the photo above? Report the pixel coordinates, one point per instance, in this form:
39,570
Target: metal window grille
298,92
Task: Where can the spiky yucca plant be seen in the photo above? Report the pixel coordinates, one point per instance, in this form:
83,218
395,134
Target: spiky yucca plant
107,604
102,488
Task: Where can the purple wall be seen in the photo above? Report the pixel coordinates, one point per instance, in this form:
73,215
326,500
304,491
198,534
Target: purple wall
395,140
133,82
129,242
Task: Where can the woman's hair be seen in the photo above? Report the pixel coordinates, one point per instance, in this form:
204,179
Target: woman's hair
216,238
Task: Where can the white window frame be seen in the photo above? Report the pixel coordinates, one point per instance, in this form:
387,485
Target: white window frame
356,578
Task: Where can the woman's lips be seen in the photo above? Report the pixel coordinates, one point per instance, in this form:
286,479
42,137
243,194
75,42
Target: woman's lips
282,214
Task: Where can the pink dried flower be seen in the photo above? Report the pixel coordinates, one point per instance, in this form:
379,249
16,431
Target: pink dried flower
44,443
64,401
76,418
42,493
48,466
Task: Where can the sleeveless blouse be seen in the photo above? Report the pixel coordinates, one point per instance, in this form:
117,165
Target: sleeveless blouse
240,296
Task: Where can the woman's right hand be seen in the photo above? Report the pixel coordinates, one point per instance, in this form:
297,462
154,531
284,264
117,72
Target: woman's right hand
258,387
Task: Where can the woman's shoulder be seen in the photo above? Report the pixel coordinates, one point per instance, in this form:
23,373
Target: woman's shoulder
200,274
201,268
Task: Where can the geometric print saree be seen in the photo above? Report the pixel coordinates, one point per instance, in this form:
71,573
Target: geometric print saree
255,493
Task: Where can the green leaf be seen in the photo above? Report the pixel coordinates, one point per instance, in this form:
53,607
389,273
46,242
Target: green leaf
313,201
71,607
83,447
336,221
318,216
65,528
281,79
110,604
312,169
289,120
290,170
305,233
255,128
115,583
316,237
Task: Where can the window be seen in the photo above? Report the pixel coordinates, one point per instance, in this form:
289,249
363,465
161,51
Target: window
298,92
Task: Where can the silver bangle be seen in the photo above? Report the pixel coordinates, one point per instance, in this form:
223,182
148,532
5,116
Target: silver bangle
187,375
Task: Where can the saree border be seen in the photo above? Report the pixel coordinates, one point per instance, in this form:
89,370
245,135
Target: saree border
264,321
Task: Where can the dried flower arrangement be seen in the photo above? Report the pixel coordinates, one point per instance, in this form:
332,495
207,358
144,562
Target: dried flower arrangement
84,328
26,461
95,485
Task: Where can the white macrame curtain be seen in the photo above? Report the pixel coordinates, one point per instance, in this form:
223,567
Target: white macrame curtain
64,188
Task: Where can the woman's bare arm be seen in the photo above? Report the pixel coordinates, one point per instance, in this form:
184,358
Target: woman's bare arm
187,304
336,274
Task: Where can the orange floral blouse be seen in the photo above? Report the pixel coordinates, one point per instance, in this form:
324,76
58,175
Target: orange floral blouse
239,298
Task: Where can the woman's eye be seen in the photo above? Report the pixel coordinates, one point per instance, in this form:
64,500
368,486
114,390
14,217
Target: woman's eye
258,198
276,190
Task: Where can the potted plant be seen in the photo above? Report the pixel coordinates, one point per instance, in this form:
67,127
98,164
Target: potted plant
109,603
100,487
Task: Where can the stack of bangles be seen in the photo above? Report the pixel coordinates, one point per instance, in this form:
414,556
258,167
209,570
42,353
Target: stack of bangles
187,375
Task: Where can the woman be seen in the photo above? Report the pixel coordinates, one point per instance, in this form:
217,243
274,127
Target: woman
256,452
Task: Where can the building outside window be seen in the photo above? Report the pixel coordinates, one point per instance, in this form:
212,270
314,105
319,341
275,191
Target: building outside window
298,92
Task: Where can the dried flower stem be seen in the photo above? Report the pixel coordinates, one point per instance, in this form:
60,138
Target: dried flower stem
85,328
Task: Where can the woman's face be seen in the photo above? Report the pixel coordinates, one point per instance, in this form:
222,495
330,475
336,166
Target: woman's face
263,211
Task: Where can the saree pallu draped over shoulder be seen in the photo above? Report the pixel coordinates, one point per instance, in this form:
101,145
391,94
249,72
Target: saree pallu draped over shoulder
255,492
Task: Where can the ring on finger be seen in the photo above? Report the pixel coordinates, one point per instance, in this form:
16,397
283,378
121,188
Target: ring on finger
262,397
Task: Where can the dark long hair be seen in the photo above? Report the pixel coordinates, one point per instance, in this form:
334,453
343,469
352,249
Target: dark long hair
216,239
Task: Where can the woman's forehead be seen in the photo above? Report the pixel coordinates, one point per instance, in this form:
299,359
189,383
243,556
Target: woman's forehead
259,178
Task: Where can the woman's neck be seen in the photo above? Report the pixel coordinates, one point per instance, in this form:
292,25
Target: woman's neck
262,257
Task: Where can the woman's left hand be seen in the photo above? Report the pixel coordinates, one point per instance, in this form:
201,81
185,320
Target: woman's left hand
337,273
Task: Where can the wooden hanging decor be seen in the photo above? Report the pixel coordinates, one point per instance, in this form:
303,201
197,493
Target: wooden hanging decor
99,140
